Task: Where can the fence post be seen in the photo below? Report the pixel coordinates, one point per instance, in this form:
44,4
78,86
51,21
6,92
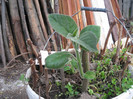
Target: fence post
126,6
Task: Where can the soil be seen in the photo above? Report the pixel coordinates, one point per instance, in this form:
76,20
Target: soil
55,92
10,85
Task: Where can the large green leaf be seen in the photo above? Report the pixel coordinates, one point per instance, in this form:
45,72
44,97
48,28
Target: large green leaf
90,40
57,60
87,40
92,28
63,24
89,75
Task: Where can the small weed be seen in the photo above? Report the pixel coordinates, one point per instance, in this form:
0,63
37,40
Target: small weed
23,79
70,90
107,77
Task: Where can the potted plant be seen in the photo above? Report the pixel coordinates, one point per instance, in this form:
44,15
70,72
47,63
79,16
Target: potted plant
95,82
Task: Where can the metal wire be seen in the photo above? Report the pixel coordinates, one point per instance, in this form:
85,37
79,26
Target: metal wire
122,25
48,40
99,11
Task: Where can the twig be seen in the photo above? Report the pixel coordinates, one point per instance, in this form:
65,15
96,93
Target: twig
32,47
47,83
40,63
125,67
118,46
17,57
34,74
126,42
106,41
123,55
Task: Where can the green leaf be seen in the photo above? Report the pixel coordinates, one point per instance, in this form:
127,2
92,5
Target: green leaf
66,68
91,91
22,77
57,60
63,24
90,40
92,28
86,40
89,75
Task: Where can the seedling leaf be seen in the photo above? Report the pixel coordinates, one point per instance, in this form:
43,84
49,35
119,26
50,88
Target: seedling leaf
63,24
57,60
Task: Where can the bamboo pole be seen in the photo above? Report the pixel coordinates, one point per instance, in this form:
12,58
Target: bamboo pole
10,36
16,26
118,46
3,13
79,15
34,25
23,20
89,14
44,7
41,22
24,24
115,29
118,14
2,48
83,15
56,6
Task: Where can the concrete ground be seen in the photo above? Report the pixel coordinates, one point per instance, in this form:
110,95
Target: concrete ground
10,85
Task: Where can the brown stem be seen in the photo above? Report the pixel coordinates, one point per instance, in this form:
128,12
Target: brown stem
40,62
17,57
34,74
126,42
47,83
118,46
106,41
123,54
125,67
32,47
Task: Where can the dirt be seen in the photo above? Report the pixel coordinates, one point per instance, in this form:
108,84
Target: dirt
10,85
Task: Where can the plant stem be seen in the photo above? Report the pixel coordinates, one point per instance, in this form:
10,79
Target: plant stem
118,46
79,60
125,67
85,61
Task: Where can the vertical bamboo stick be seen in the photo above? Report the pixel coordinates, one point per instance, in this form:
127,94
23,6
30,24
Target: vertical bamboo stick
43,2
41,22
10,37
2,48
79,15
34,25
89,14
16,26
3,13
